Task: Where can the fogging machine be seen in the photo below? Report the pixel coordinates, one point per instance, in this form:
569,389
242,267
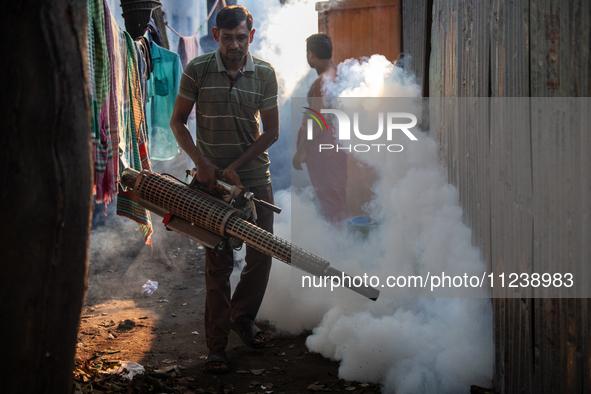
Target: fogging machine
193,211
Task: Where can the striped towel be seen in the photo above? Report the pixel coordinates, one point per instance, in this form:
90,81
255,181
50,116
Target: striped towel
97,44
104,177
188,49
113,98
127,203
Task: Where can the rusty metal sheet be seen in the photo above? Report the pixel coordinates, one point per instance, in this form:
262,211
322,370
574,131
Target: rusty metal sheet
474,155
560,159
415,16
473,49
514,351
499,335
586,344
473,126
459,66
560,44
549,46
443,83
482,162
443,76
511,190
538,173
509,48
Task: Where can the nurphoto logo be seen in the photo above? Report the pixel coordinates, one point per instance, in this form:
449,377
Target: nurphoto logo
393,124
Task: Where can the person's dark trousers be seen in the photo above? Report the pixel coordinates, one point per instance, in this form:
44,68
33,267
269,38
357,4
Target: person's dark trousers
244,305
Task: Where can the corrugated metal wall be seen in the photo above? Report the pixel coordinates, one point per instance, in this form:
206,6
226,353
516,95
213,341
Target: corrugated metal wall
415,37
526,195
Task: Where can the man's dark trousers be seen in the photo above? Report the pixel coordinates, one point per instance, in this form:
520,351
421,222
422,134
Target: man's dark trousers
244,304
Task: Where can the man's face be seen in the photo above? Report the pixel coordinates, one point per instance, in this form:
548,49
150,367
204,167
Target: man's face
234,43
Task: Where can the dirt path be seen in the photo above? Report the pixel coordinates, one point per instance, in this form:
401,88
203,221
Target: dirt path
164,332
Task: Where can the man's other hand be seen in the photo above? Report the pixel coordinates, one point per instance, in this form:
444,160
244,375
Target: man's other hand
231,176
208,174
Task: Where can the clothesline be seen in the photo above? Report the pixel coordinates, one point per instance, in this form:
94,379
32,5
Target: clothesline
211,12
174,31
155,8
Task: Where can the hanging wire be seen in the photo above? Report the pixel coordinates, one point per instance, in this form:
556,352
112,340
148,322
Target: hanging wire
152,11
174,31
211,12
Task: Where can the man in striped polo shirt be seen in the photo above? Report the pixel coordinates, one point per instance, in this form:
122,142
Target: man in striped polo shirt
232,92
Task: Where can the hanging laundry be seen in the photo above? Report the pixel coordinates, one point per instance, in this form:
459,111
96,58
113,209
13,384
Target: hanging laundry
97,62
163,87
127,202
103,160
145,65
104,170
118,70
120,104
123,102
154,31
188,49
113,98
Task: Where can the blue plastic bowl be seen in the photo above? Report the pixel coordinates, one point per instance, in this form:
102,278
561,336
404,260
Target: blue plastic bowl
361,226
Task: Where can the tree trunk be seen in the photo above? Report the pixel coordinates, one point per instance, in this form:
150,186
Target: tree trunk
46,192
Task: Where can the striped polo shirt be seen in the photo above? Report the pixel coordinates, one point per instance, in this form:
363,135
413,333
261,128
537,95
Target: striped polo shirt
228,113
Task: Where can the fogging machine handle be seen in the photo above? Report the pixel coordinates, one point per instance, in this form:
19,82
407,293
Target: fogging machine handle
246,195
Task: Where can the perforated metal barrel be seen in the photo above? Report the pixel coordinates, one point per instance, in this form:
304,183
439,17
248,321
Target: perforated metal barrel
191,205
211,214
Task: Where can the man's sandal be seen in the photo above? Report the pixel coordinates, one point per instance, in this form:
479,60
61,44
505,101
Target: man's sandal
217,362
248,333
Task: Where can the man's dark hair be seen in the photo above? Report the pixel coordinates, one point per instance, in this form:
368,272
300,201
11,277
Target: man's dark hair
320,45
233,15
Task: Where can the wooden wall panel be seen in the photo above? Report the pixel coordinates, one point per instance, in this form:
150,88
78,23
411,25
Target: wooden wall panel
362,28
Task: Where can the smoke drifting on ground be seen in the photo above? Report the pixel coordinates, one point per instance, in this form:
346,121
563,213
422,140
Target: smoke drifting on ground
410,345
